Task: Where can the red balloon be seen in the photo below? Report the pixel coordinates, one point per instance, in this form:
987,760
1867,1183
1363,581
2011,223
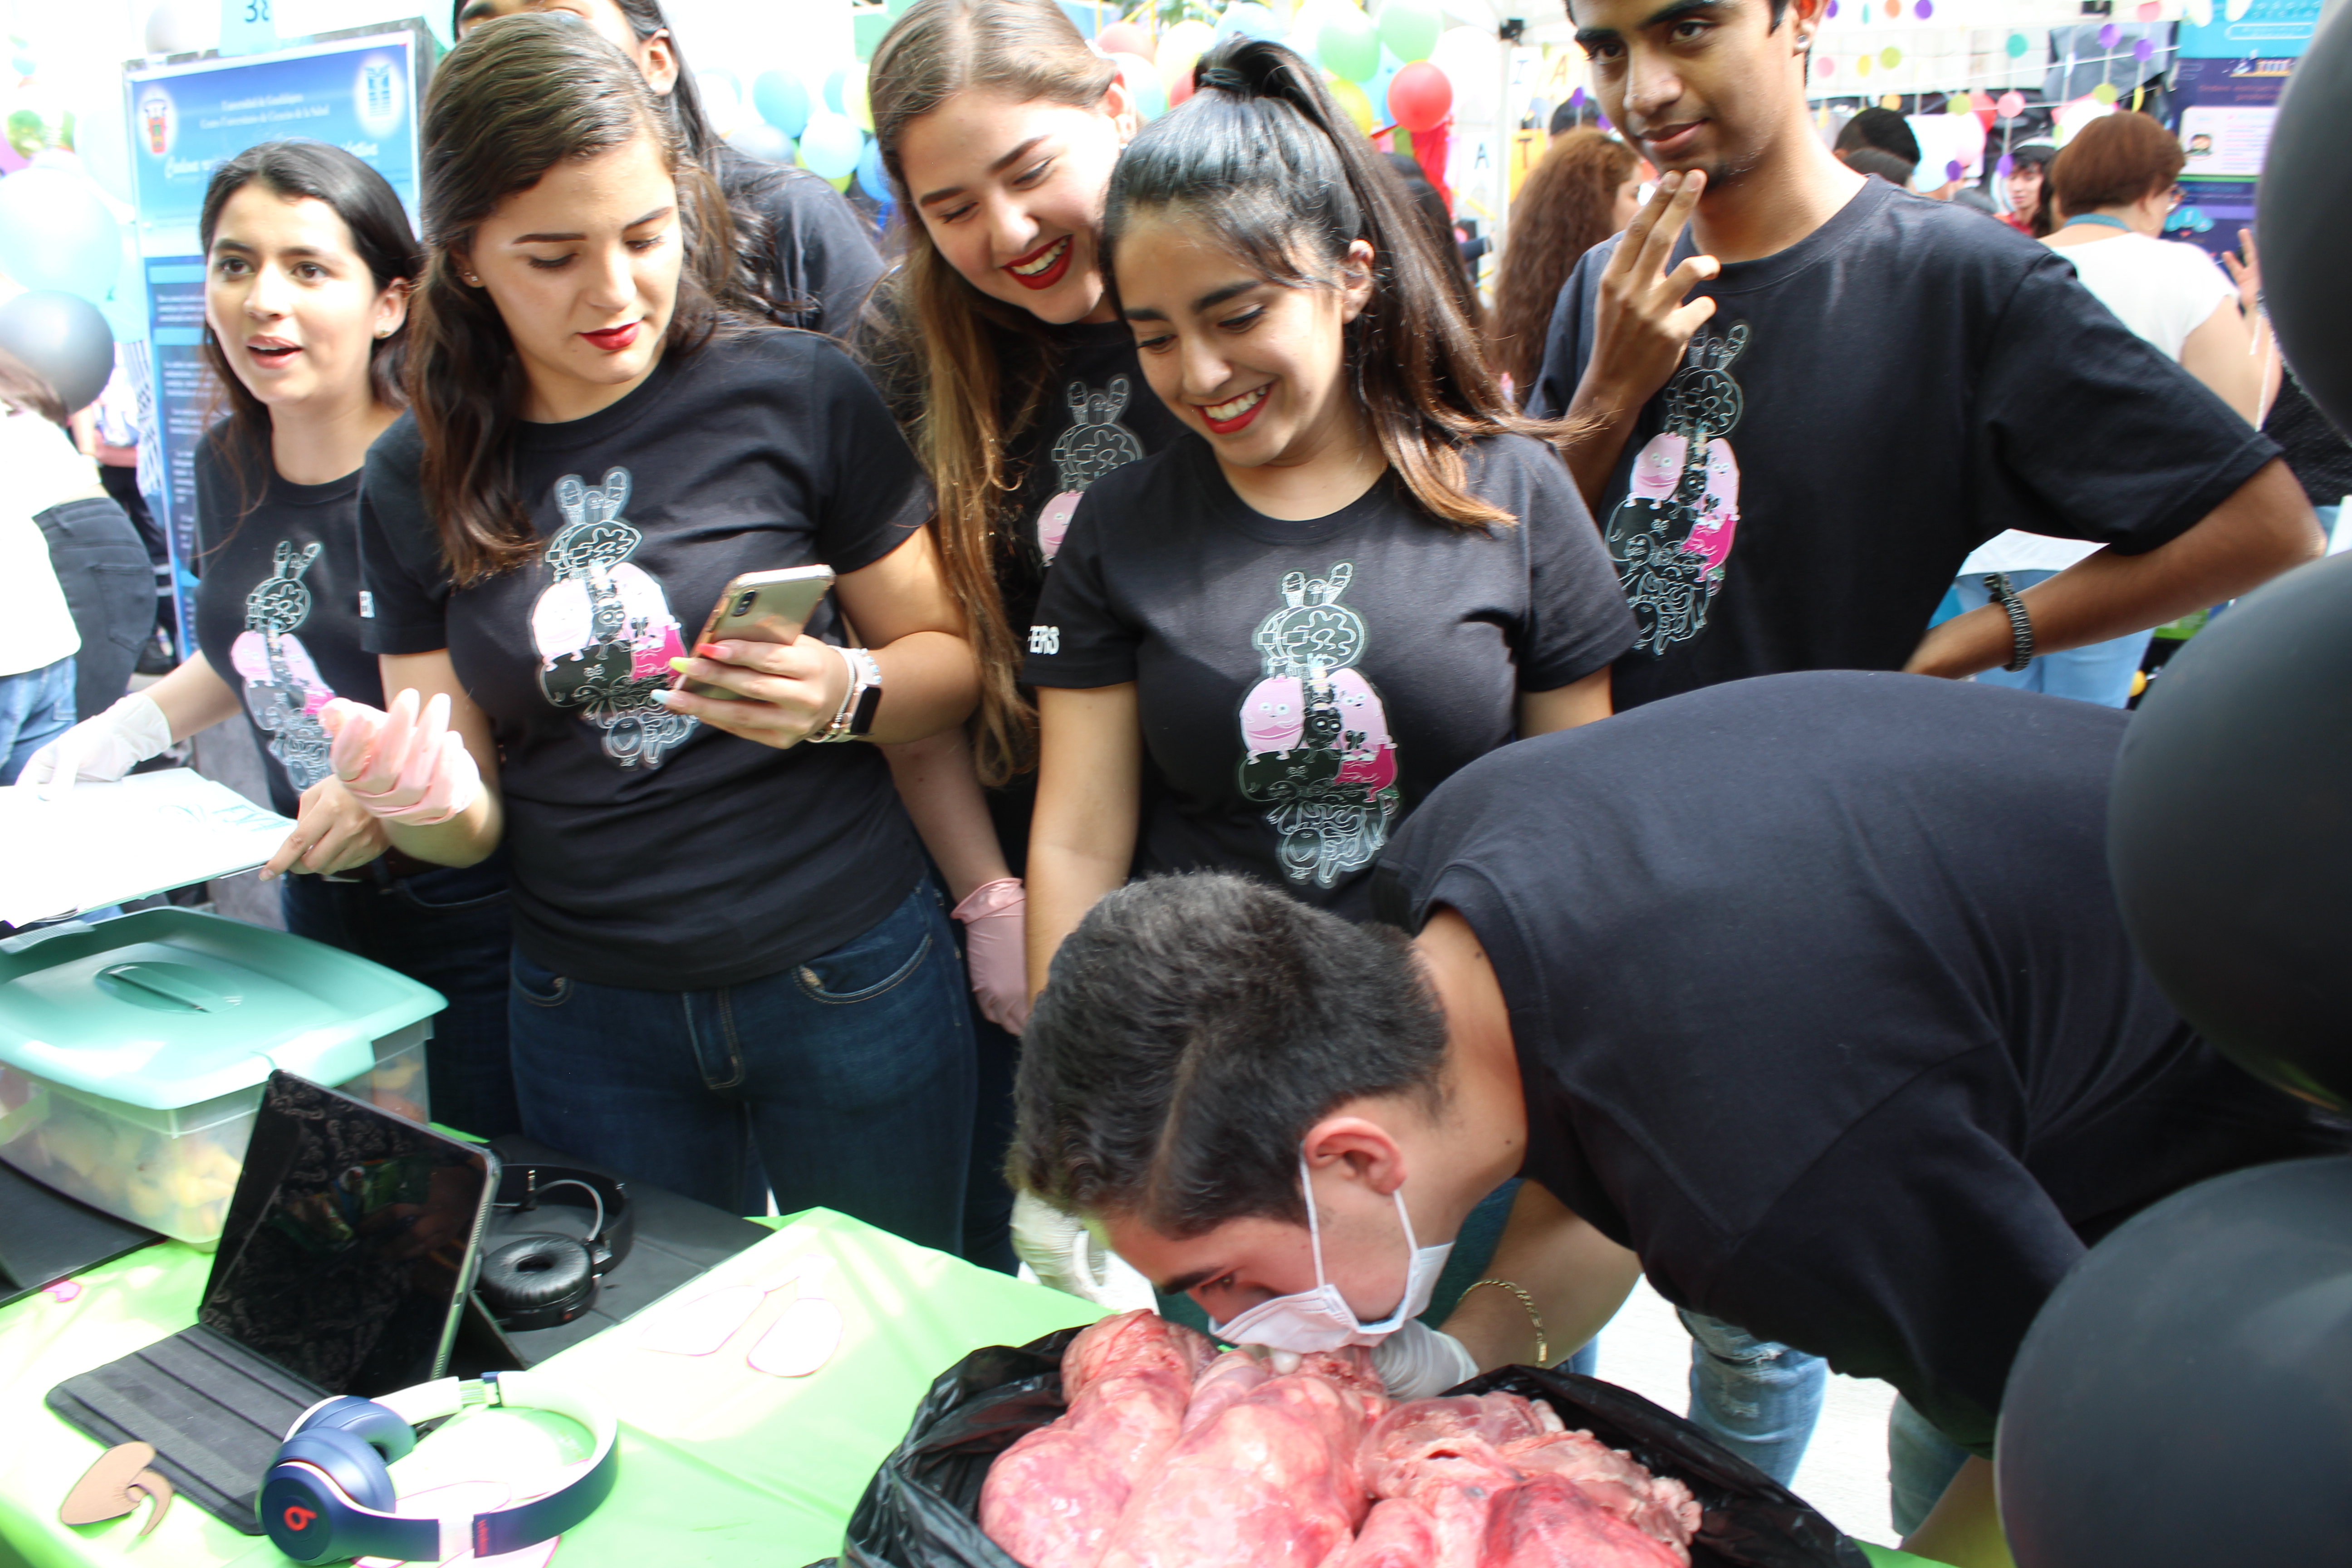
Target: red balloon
1125,38
1419,97
1182,90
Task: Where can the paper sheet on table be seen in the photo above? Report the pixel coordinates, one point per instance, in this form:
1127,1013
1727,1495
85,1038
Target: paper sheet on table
99,844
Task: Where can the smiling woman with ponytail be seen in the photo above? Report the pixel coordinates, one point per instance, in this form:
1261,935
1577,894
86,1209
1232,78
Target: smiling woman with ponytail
1355,573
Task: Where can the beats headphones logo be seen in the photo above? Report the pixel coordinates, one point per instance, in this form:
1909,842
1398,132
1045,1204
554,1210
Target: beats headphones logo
298,1519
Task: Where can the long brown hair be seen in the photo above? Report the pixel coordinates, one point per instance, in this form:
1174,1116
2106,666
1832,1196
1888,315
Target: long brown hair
519,95
1562,210
371,210
983,365
24,387
1262,157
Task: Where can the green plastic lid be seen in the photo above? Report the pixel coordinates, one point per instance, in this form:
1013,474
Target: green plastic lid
169,1008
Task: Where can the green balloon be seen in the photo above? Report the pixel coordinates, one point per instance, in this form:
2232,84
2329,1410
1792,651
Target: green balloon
1349,45
1410,29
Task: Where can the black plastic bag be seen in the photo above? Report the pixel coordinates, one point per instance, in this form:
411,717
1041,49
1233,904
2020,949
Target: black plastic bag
922,1507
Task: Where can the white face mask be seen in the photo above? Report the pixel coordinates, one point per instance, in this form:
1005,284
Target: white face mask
1320,1319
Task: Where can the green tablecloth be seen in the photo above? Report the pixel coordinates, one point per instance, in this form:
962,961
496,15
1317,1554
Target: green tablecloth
718,1463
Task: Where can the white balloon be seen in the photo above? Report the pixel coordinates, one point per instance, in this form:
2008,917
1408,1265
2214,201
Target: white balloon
103,140
183,26
722,100
1473,63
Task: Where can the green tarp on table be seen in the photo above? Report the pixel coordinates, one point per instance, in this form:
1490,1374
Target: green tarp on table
719,1464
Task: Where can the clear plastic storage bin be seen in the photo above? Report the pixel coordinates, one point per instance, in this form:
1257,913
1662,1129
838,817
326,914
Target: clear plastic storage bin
133,1054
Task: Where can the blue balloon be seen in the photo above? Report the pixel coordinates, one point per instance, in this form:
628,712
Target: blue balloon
1247,18
56,233
1081,17
834,81
872,178
831,145
763,141
782,100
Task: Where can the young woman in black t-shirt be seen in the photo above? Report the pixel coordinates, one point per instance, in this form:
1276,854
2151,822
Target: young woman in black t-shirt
804,255
728,953
998,349
1352,576
308,261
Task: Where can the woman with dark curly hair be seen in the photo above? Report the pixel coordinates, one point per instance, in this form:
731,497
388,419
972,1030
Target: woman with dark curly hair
1584,191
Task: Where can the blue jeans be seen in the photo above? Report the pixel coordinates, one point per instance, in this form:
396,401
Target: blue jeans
1920,1463
848,1077
37,705
1756,1398
446,927
2101,672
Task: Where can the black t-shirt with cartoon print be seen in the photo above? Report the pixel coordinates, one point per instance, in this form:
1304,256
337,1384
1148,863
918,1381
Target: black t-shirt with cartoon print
1865,408
277,605
1303,685
649,849
1099,415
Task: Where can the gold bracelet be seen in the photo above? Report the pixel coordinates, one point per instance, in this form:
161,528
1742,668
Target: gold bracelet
1543,1346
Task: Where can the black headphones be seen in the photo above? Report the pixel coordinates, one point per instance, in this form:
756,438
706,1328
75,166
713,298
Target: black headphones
538,1282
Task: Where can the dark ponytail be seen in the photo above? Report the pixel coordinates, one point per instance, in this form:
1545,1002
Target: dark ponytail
1263,158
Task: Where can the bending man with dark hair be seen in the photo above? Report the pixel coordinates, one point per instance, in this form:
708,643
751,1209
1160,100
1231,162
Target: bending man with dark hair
1806,997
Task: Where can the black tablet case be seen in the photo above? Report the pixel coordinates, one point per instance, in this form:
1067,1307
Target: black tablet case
216,1412
45,1236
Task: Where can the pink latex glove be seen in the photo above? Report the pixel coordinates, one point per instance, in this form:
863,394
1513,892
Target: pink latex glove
995,917
402,767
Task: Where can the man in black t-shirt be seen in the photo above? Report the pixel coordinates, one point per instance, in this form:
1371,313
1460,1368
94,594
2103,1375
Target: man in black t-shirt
1809,993
1801,432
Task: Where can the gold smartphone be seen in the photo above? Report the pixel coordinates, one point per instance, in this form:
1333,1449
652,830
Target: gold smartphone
760,606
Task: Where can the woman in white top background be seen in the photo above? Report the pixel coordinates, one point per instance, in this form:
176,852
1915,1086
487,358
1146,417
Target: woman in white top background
2113,186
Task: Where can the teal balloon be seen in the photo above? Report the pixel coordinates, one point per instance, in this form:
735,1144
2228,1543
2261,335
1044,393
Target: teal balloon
1248,19
56,233
761,141
894,9
834,79
872,178
1410,29
101,138
1349,45
782,100
831,145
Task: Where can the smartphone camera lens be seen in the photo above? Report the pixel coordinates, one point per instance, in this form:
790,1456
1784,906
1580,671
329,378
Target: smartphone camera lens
744,605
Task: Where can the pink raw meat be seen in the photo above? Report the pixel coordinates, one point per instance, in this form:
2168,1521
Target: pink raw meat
1051,1498
1270,1483
1221,1383
1129,1342
1548,1522
1397,1533
1658,1506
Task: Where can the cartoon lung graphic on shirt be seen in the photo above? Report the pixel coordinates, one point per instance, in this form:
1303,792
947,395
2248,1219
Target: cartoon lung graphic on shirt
1671,536
603,628
283,688
1094,444
1316,745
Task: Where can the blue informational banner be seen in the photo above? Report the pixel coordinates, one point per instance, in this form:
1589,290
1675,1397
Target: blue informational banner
2270,28
359,94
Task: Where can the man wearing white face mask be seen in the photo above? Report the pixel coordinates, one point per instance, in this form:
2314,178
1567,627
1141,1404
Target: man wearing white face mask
1735,983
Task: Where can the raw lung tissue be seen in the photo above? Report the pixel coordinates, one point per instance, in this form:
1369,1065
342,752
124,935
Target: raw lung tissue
1173,1457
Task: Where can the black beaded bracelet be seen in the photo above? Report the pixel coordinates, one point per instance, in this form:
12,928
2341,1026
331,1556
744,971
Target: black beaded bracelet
2021,625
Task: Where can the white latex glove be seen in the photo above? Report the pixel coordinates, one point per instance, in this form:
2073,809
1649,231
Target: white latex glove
403,766
1418,1362
101,750
995,950
1061,1252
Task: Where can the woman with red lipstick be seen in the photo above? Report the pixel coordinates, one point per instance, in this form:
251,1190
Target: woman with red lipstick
997,347
805,255
731,972
1352,576
309,261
